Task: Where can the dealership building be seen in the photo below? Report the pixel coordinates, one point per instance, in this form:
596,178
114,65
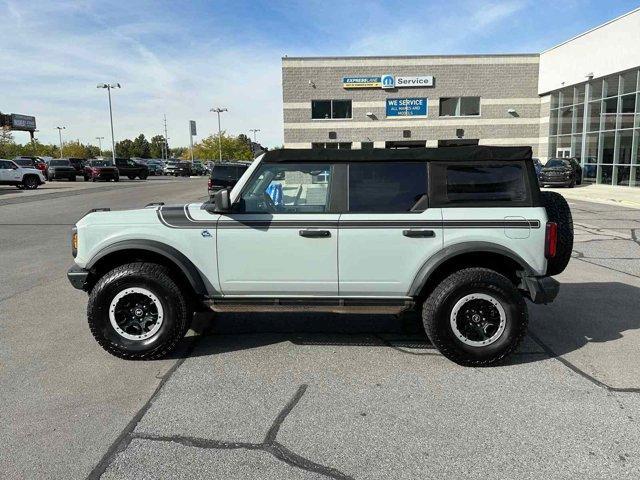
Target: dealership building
579,99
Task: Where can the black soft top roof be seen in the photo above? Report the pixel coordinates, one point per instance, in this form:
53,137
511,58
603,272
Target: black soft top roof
476,152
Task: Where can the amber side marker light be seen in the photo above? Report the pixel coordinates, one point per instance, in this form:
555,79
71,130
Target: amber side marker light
74,243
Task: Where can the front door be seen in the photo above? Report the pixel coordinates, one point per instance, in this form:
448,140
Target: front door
9,173
389,231
281,239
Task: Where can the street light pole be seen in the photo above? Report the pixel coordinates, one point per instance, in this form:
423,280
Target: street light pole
60,135
100,144
113,143
254,130
219,110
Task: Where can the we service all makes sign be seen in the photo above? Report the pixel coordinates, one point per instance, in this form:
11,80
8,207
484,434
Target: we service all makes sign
407,107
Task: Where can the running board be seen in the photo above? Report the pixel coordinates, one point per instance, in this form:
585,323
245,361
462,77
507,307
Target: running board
328,305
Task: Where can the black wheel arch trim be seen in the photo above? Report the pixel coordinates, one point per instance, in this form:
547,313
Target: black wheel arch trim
456,250
172,254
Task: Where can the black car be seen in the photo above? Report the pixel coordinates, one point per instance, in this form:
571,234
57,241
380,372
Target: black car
61,168
561,172
78,164
225,175
129,168
178,169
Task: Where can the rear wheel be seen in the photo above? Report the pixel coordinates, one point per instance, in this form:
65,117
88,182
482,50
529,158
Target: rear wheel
72,179
117,179
136,311
475,317
143,176
558,211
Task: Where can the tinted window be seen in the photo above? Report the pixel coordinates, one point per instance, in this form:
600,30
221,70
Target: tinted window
386,187
224,172
24,163
321,109
5,165
485,183
60,163
325,109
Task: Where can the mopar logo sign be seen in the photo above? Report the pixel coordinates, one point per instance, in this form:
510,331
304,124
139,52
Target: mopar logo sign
388,81
407,107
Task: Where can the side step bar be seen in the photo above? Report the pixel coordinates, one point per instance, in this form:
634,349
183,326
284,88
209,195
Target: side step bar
329,305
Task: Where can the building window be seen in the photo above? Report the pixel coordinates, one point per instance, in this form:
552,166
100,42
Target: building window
366,145
459,106
329,109
331,145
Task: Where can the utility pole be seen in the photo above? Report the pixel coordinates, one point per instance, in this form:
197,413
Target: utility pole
166,137
100,144
113,142
60,135
219,110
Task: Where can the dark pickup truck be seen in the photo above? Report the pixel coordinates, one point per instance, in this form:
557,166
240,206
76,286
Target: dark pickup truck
129,168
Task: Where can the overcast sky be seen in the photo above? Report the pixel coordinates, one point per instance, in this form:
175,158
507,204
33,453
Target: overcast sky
181,58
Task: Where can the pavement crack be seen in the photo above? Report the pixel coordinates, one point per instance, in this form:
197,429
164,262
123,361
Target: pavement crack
277,423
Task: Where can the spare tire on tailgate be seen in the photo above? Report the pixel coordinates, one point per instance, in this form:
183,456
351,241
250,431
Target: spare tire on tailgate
558,211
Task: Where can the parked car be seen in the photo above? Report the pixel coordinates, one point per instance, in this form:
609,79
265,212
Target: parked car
61,168
178,169
197,168
78,164
130,169
225,175
32,162
537,164
22,177
563,172
156,167
410,237
95,170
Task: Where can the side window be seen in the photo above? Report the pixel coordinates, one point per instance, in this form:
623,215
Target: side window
387,187
4,165
288,188
485,183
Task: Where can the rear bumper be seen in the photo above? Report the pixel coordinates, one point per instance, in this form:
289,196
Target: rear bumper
78,277
541,289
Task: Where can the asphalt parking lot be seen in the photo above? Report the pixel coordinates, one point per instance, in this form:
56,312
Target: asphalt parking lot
312,396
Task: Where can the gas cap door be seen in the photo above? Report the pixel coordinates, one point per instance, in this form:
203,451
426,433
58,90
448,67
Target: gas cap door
520,228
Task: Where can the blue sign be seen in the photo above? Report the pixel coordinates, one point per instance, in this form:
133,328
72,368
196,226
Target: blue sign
388,81
407,107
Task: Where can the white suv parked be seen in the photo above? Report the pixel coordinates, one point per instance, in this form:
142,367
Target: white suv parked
462,233
13,174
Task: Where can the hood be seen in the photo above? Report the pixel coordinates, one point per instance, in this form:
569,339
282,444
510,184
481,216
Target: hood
556,169
31,170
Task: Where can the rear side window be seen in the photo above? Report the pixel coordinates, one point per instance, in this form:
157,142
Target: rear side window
387,187
490,183
224,172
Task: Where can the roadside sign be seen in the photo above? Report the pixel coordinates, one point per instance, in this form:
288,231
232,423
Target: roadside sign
23,122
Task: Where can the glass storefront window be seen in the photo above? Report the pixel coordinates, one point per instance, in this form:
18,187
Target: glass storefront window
579,94
576,149
564,141
579,118
565,121
607,147
594,116
635,156
596,90
553,123
625,145
611,86
566,96
630,82
606,174
591,148
589,173
555,100
610,110
622,176
628,107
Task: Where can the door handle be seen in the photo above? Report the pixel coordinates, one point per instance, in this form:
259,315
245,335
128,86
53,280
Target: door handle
419,233
314,233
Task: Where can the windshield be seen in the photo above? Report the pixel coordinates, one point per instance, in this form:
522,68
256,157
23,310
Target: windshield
556,162
59,163
99,163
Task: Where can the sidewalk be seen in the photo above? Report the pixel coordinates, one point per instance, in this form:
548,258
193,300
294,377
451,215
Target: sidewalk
607,194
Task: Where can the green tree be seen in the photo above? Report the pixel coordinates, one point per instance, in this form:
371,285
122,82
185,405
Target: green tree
141,147
156,146
8,148
124,148
233,148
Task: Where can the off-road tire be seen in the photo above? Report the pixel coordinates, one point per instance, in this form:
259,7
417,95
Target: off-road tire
558,211
437,308
155,278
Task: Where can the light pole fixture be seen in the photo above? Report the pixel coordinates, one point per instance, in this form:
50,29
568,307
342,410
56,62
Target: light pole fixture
100,144
109,86
60,135
219,110
254,130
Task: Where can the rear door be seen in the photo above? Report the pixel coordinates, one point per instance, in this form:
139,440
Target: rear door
388,231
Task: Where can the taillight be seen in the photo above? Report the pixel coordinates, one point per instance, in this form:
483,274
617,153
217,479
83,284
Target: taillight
551,240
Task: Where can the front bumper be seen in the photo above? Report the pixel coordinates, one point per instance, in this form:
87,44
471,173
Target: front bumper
541,289
78,277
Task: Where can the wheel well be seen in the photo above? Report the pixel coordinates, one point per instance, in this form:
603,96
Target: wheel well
491,260
122,257
30,175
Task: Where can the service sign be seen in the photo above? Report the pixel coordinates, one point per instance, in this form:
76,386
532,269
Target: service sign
361,82
424,81
407,107
23,122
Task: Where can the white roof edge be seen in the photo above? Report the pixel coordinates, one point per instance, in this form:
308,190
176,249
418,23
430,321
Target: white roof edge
635,10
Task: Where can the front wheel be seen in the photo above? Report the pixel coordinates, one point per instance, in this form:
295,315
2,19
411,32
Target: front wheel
137,312
475,317
143,176
31,182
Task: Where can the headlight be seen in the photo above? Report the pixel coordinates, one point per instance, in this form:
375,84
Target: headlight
74,242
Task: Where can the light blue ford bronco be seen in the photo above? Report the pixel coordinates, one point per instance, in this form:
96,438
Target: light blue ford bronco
463,234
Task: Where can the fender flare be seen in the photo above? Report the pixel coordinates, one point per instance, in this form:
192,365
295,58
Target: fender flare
172,254
452,251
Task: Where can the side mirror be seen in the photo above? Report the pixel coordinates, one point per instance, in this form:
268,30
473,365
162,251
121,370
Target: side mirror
222,201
